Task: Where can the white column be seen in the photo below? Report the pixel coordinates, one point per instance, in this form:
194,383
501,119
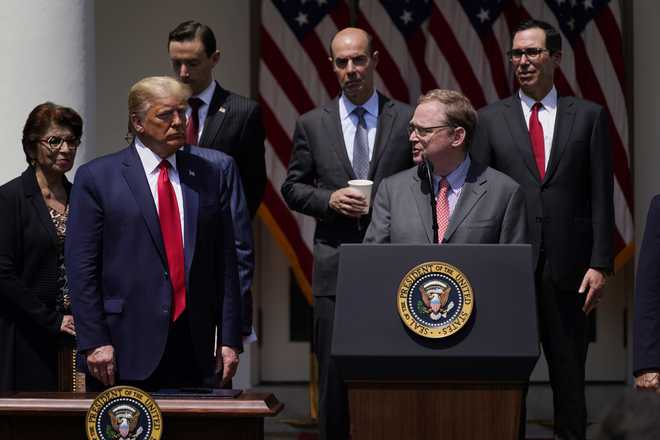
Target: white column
47,50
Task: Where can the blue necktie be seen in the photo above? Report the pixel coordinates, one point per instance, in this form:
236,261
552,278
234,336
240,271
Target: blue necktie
361,146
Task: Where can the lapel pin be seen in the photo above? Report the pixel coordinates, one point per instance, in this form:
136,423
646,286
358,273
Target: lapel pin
222,109
191,172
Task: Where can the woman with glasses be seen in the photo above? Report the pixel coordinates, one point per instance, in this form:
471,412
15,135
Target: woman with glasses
36,326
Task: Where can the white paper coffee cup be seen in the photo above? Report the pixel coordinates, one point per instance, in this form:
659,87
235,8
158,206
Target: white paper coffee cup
364,186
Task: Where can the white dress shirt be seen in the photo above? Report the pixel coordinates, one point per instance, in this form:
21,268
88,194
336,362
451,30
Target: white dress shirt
150,162
206,96
547,117
349,121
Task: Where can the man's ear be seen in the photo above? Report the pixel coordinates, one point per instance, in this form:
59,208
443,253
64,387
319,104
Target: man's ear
459,137
215,57
136,123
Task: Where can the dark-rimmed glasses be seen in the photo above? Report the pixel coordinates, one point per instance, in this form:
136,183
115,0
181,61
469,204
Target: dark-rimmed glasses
532,53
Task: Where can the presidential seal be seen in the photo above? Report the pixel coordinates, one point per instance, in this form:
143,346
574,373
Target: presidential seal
435,299
124,413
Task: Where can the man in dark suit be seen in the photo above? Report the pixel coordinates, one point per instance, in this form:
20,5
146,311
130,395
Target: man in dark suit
218,118
361,134
474,203
558,150
150,255
646,359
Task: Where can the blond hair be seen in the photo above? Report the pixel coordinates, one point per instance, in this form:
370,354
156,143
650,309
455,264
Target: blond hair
142,94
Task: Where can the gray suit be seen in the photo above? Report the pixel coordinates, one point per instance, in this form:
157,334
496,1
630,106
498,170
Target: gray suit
491,209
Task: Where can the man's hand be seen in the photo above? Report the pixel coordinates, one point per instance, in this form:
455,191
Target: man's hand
227,362
348,201
67,325
594,280
101,364
649,381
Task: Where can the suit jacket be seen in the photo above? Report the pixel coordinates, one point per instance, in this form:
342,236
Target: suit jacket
647,296
233,125
570,211
29,321
490,209
117,267
242,227
319,166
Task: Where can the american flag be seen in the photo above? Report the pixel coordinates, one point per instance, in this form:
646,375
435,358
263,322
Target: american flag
424,44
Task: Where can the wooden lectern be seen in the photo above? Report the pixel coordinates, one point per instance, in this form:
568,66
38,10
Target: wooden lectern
466,386
54,416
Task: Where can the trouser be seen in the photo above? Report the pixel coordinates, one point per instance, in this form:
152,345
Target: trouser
563,331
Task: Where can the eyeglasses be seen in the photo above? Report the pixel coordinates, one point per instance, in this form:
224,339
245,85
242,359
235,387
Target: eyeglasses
425,131
532,53
55,143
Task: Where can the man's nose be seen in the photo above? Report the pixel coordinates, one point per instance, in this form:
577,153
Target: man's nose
183,71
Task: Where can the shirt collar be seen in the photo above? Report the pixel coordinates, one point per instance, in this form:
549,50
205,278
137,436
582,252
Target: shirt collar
456,178
207,93
151,160
346,107
549,102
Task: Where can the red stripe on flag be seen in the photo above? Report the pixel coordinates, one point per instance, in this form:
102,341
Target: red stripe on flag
417,46
591,90
290,228
453,52
285,76
276,135
611,35
341,15
319,56
497,63
387,68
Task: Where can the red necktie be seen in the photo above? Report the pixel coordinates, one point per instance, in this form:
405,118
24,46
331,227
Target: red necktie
536,137
442,208
192,126
170,227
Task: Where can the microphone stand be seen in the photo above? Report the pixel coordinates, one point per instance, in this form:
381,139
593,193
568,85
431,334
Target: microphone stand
434,214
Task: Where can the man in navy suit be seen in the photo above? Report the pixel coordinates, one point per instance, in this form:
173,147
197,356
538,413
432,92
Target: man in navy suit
646,358
150,255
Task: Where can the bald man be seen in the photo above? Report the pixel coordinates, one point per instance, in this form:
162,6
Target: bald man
359,135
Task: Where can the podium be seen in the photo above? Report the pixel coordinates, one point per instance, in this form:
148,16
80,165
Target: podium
54,416
468,385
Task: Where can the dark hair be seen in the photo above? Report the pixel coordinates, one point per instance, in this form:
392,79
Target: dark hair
41,118
190,30
552,37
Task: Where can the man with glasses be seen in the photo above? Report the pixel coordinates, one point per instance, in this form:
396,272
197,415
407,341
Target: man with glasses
558,149
359,135
474,203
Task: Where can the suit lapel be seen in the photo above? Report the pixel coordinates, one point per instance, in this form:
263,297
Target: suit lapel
386,119
420,193
332,126
133,173
188,176
473,189
218,108
563,127
33,193
515,120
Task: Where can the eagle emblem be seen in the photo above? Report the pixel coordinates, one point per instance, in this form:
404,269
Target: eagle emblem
124,420
435,295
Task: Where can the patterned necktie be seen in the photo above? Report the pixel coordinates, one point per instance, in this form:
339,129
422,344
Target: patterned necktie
170,227
442,208
361,146
536,138
192,126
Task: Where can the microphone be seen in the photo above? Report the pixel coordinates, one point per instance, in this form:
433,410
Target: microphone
426,171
